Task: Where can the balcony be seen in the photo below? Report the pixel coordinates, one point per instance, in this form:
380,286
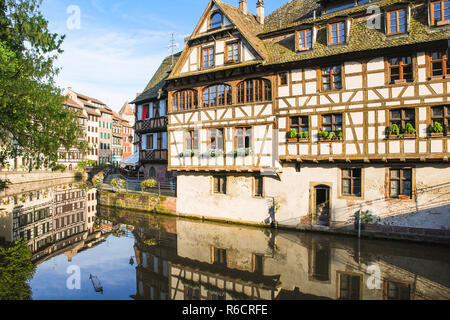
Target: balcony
153,155
154,124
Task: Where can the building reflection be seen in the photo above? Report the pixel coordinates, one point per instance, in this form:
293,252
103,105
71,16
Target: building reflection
189,260
53,220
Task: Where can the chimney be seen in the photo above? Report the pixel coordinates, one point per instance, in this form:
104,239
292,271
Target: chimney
260,11
243,6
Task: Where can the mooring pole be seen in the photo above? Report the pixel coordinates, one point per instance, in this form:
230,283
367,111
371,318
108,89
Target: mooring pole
359,223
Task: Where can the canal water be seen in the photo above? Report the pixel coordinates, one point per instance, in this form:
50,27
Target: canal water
143,256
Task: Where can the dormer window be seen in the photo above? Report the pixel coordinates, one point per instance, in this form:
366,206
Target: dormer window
216,20
336,33
396,21
440,12
304,40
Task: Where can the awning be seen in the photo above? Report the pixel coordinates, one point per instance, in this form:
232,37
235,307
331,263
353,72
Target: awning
132,160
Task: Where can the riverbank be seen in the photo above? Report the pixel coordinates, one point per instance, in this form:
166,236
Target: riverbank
152,203
19,177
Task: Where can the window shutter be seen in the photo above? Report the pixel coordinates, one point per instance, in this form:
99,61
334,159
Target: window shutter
139,114
164,137
144,142
162,108
151,110
155,141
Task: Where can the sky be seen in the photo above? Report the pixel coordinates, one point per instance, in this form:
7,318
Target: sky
118,45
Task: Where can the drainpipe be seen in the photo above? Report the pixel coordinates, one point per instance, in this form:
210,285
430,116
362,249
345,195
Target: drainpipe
359,223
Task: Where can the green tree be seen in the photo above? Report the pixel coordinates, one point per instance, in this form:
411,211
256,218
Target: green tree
16,270
33,121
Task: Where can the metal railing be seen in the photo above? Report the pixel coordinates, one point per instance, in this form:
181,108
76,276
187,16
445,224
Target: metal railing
161,188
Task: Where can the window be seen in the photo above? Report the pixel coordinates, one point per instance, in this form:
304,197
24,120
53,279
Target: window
192,140
216,20
440,12
208,57
254,90
304,39
259,187
217,95
283,78
396,21
232,53
400,182
401,69
332,122
185,100
396,291
220,184
336,33
220,256
258,264
216,139
243,138
192,293
332,78
402,116
351,182
349,287
439,65
441,114
300,124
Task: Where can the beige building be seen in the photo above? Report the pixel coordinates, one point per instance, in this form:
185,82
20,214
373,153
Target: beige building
312,114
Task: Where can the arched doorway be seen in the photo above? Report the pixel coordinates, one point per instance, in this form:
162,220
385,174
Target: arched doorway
321,205
152,173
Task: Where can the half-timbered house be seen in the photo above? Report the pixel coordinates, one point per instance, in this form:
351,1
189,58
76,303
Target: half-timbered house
318,111
151,123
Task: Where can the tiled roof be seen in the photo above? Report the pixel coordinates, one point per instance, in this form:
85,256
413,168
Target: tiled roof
275,41
362,38
246,24
89,98
159,79
127,109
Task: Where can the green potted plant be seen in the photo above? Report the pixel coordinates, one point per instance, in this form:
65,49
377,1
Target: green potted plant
437,130
340,135
148,184
393,131
331,135
292,136
409,131
323,135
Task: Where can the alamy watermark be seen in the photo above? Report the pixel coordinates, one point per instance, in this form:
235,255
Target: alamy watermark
73,282
73,22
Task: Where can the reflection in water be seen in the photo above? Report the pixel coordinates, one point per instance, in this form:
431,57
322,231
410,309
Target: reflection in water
141,256
183,259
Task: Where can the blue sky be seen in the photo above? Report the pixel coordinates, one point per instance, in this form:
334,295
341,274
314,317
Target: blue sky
120,44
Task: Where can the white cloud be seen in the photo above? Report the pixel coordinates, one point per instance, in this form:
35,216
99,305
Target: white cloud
111,66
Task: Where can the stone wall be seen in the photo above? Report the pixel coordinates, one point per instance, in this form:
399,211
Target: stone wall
138,201
24,177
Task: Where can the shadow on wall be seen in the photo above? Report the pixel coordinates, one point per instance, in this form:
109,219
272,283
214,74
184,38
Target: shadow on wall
429,207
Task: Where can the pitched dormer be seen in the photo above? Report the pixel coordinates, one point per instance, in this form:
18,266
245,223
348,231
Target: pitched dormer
225,36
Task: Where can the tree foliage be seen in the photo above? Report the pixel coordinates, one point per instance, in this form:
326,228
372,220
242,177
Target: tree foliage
33,122
16,270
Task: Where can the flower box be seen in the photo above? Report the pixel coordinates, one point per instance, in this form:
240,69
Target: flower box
404,197
409,136
437,134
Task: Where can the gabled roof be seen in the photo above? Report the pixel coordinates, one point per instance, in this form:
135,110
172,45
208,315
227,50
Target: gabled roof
126,110
89,98
158,80
246,24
